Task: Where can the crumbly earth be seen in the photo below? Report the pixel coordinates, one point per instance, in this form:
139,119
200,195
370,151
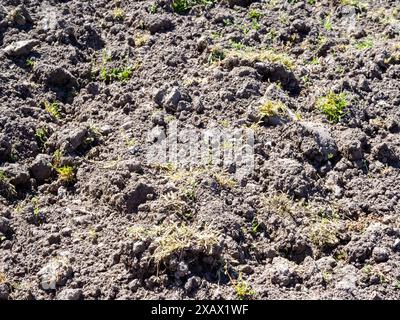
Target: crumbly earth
83,82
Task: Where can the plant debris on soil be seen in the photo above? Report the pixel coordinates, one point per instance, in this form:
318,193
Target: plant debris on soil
84,214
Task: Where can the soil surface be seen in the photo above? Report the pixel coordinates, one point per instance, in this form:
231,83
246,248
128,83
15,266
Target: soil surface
86,87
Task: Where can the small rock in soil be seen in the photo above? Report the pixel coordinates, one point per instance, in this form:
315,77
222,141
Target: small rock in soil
21,48
4,291
70,294
55,273
41,168
159,23
380,254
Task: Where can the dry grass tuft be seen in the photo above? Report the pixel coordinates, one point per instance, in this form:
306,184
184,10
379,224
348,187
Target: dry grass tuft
264,56
325,233
174,238
3,278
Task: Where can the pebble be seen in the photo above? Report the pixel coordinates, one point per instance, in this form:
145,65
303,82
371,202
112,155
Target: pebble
20,48
380,254
70,294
